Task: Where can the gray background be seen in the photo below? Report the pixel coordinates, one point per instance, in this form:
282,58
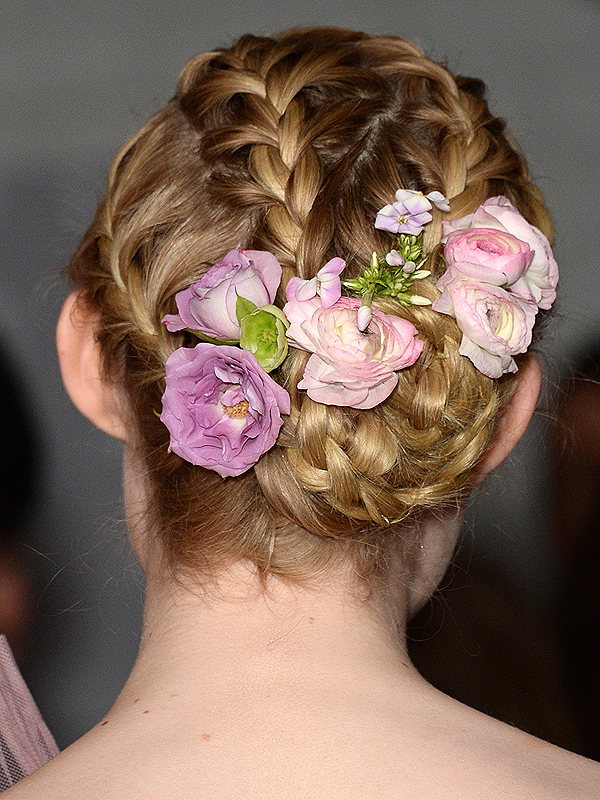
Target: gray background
75,80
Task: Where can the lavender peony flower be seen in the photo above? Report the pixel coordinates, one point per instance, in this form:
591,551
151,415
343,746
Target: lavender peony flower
221,408
496,324
209,305
350,368
538,282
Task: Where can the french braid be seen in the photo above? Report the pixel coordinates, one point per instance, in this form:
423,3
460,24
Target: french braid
291,144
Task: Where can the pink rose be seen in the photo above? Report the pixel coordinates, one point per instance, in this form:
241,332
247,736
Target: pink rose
496,324
495,249
349,368
538,282
209,305
221,408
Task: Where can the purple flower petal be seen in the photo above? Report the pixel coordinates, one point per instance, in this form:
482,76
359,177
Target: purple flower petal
394,258
332,269
305,290
221,408
330,285
408,214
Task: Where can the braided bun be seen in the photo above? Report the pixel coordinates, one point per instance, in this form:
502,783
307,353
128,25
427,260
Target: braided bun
291,144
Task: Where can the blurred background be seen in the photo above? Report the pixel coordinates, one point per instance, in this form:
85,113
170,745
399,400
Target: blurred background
76,79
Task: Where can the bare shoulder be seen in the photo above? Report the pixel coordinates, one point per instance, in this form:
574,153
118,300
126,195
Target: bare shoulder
501,759
434,750
548,772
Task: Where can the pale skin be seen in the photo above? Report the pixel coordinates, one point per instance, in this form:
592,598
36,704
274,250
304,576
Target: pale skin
299,693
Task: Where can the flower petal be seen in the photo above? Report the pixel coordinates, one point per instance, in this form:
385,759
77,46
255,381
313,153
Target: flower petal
439,201
395,259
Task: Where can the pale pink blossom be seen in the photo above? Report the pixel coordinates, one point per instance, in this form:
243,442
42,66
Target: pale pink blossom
490,248
348,367
496,324
538,282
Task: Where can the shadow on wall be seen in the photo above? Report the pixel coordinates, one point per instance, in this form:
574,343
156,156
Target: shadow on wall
19,475
576,530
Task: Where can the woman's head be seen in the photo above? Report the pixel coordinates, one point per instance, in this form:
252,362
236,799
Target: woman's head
291,145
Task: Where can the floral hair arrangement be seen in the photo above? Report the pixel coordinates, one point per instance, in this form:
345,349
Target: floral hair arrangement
221,407
500,272
224,411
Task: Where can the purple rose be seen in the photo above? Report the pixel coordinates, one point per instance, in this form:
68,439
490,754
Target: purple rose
538,282
221,408
496,324
349,367
209,305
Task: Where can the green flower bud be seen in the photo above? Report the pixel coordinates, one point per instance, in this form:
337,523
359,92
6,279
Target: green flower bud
263,333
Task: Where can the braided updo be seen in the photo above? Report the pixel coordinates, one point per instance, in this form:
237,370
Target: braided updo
291,144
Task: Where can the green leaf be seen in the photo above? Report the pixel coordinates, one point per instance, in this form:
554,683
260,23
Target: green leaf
211,339
243,307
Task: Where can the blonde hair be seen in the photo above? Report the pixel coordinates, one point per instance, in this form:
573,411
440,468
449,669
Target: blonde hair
291,144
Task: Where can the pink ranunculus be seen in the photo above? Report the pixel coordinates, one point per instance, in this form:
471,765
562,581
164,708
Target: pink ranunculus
496,324
221,408
350,368
495,249
209,305
538,282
